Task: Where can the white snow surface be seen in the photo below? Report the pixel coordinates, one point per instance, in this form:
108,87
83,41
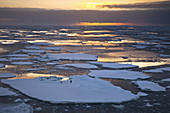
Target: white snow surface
53,48
114,65
6,92
7,75
149,86
83,89
21,63
81,65
118,74
72,56
16,108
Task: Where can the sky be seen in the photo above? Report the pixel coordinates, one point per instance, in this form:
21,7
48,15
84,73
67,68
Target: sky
70,12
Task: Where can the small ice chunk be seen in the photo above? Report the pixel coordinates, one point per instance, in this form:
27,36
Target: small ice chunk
141,94
148,105
149,86
6,92
165,56
36,54
38,109
118,106
114,65
53,48
167,87
18,100
51,63
22,63
7,75
72,56
118,74
35,69
86,66
16,108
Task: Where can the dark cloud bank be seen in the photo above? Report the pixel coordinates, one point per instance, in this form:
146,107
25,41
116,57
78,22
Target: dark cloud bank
23,16
145,5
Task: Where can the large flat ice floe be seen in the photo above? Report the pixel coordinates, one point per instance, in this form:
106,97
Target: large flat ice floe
16,108
76,56
81,65
118,74
76,89
6,92
149,86
7,75
114,65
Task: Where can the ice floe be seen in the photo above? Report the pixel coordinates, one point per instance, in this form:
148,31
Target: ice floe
166,80
32,47
17,58
42,43
72,56
53,48
149,86
118,74
33,51
158,70
16,108
17,55
81,89
35,69
7,75
4,60
6,92
164,56
141,94
2,65
81,65
21,63
114,65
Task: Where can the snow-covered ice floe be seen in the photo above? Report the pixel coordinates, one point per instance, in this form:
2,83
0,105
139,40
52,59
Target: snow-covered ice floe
21,63
81,65
166,80
118,74
16,108
114,65
6,92
53,48
32,47
75,89
149,86
72,56
7,75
